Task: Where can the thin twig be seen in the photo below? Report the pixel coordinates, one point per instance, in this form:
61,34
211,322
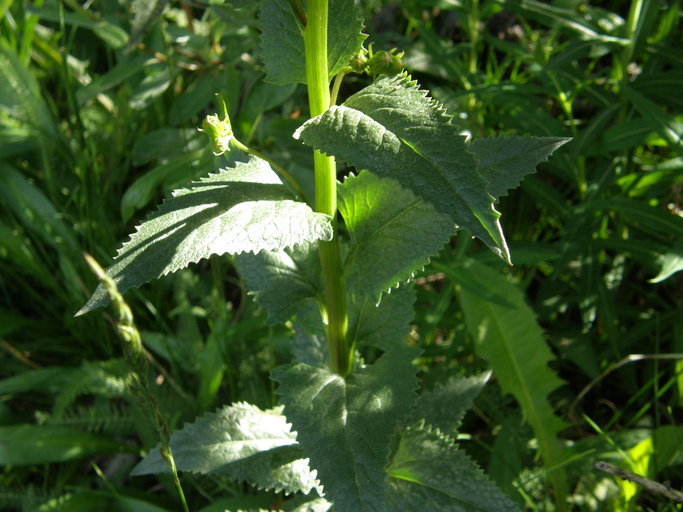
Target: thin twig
647,484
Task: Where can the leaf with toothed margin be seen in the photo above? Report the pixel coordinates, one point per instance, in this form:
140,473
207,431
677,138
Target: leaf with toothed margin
429,473
243,443
241,209
345,426
393,233
504,161
444,406
395,130
282,281
385,325
282,39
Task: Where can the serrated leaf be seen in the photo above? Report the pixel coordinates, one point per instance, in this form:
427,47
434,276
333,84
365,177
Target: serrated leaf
281,281
429,473
345,425
385,325
241,442
282,39
395,130
241,209
316,505
309,342
510,339
444,406
504,161
393,232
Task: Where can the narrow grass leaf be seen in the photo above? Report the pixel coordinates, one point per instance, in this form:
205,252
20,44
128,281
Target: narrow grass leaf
393,129
241,442
35,210
40,444
123,70
510,339
653,219
429,473
20,96
241,209
282,39
657,118
393,232
504,161
345,426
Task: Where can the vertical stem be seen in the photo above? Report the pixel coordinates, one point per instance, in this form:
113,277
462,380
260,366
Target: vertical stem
315,40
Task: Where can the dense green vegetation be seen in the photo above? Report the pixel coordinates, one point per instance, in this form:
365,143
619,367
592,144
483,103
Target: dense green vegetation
99,109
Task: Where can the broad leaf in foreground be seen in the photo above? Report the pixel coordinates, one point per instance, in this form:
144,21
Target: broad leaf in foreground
281,281
393,232
241,209
504,161
429,473
510,339
345,426
385,325
394,129
241,442
444,406
282,39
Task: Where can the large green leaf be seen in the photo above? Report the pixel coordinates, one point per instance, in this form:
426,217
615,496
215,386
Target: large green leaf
504,161
509,338
393,232
241,442
281,281
385,325
282,39
444,406
394,129
242,209
345,425
429,473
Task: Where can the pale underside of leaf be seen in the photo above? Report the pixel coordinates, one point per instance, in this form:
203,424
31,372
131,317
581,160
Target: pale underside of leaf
241,442
345,425
393,232
242,209
394,130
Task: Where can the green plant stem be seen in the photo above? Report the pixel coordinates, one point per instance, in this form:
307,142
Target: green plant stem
335,87
315,40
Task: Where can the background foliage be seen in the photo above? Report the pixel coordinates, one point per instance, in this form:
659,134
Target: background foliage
99,105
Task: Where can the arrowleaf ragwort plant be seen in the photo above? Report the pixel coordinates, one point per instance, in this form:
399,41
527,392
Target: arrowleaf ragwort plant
347,434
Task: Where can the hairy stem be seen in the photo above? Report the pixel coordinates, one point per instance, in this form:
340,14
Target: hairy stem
315,39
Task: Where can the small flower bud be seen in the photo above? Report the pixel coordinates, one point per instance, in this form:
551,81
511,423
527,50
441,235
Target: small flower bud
219,133
385,63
